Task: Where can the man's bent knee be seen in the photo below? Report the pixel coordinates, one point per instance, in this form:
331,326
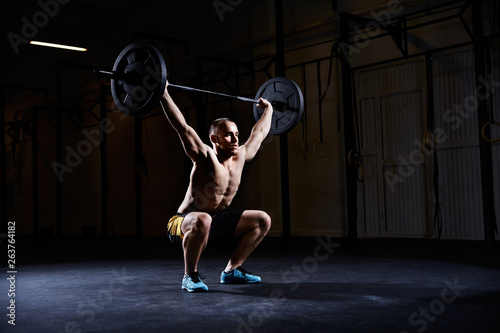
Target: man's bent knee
264,221
199,223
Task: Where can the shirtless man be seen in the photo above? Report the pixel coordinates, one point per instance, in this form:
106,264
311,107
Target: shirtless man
214,180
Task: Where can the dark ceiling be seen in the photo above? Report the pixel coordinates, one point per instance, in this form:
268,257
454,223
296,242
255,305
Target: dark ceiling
106,27
103,27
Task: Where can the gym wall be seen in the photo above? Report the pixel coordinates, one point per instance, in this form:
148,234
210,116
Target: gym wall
390,98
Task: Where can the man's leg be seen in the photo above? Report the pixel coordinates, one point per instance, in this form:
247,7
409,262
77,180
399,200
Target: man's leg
250,230
196,229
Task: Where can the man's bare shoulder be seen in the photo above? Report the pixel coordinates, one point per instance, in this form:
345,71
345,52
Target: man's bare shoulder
206,153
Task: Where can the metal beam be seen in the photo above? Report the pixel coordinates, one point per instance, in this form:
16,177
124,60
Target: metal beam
349,135
59,148
397,31
138,156
104,164
486,160
280,71
34,136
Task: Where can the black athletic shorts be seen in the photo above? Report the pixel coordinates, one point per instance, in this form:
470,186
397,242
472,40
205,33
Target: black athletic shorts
221,230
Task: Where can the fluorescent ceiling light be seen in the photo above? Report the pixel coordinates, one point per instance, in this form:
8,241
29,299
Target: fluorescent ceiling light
73,48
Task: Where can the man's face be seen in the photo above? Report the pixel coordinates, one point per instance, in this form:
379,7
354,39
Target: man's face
226,138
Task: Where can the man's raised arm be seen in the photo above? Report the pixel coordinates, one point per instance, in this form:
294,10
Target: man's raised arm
193,145
259,130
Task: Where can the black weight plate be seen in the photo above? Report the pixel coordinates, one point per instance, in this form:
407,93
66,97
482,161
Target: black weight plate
142,94
287,100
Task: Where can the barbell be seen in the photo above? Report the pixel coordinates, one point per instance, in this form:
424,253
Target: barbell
139,77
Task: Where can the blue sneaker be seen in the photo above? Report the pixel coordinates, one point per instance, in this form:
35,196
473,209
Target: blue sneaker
192,283
238,276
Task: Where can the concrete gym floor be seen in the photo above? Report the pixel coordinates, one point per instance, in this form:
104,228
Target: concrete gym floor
308,285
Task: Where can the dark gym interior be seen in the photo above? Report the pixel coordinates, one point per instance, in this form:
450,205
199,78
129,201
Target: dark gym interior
384,192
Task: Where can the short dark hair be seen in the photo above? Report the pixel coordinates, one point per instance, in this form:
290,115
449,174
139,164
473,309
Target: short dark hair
216,123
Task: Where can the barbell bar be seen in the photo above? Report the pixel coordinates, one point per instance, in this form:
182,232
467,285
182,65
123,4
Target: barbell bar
131,78
139,77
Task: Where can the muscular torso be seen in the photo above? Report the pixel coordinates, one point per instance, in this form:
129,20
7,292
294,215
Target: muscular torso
212,185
